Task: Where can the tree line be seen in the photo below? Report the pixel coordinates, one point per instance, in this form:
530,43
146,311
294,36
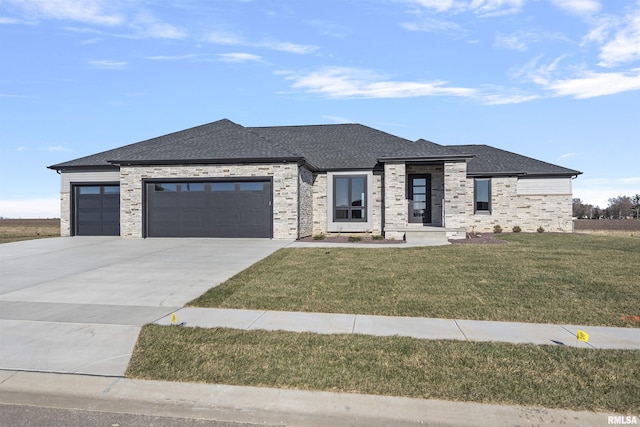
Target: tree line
621,207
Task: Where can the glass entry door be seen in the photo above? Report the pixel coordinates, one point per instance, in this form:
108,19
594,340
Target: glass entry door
420,198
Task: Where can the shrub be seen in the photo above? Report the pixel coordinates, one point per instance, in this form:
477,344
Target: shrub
540,230
377,237
319,237
497,229
517,229
355,238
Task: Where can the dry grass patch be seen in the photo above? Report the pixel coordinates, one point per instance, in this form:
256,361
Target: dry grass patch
12,230
549,376
547,278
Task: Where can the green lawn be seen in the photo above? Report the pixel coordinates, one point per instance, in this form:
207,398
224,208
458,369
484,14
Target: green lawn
541,278
549,376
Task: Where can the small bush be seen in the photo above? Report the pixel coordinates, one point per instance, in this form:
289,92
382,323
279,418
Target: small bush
540,229
319,237
517,229
377,237
355,238
497,229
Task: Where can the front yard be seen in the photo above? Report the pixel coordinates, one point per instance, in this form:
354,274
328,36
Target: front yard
535,278
546,278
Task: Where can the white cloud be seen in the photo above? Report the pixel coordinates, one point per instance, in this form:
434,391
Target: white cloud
339,82
336,119
429,24
88,11
580,7
592,84
287,47
238,57
566,156
224,38
232,39
150,27
30,208
625,45
484,8
108,64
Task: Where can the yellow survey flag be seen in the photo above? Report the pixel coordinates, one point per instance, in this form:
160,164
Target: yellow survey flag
173,319
583,336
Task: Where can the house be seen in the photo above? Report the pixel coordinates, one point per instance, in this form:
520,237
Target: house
225,180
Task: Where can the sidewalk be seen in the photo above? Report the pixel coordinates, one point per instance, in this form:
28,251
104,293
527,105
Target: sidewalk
600,337
267,406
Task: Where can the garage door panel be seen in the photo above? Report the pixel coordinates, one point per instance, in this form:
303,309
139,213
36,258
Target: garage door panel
96,210
209,209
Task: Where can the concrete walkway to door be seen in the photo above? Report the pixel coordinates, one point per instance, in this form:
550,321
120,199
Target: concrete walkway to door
76,304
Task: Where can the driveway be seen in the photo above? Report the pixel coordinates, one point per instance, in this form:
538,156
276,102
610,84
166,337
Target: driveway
76,304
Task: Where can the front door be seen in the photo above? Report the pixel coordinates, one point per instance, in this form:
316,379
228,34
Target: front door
420,198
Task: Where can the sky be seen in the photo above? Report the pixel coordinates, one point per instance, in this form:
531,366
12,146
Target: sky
557,80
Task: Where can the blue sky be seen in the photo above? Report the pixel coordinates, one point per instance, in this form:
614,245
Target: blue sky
557,80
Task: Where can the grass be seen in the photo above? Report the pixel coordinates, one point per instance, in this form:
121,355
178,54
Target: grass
549,376
540,278
13,230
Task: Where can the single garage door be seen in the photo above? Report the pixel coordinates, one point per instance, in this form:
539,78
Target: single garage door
209,209
96,210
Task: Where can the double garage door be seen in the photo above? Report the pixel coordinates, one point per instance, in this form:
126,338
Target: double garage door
181,209
208,209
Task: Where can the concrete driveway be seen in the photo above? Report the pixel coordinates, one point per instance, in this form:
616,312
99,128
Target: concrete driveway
76,304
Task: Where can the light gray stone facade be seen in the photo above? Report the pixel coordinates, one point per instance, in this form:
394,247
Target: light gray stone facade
552,212
285,191
305,202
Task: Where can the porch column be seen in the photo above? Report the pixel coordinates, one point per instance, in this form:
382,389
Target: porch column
455,196
395,199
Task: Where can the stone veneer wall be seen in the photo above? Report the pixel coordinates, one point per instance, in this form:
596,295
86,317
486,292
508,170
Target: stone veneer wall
65,214
553,212
285,191
319,204
305,202
395,200
455,196
376,204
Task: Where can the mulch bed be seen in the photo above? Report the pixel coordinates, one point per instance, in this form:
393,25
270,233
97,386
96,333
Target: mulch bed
345,239
477,239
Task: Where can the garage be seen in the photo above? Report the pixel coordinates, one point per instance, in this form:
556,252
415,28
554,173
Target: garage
239,208
96,210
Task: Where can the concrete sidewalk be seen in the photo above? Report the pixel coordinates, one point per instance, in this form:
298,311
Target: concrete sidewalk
423,328
267,406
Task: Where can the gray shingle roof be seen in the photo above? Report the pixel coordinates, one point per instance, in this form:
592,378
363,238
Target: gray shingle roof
220,141
325,147
344,146
489,160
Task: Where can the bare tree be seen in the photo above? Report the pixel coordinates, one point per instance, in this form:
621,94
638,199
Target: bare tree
621,207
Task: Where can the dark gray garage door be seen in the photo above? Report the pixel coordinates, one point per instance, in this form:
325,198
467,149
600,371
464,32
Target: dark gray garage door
96,210
209,209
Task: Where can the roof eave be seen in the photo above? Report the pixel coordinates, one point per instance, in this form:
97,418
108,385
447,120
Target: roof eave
124,162
455,157
62,167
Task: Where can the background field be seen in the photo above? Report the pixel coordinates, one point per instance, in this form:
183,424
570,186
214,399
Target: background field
614,227
12,230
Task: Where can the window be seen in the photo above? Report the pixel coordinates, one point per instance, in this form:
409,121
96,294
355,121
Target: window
349,198
482,195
